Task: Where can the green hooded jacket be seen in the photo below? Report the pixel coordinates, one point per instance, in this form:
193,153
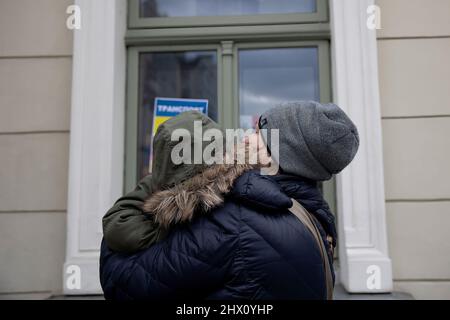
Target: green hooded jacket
126,227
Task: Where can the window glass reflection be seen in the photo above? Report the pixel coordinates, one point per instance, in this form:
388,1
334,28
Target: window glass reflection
270,76
191,75
195,8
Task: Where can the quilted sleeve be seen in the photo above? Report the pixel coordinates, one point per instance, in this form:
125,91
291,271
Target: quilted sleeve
193,261
125,226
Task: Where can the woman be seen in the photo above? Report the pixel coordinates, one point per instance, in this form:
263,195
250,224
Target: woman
225,231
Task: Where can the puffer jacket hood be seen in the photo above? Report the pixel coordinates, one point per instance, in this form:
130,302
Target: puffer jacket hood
207,190
165,172
199,194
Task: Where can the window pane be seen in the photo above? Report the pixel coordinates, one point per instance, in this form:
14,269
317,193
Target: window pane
270,76
196,8
191,75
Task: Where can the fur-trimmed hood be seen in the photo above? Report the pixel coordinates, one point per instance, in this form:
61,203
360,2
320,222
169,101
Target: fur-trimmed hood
199,194
207,190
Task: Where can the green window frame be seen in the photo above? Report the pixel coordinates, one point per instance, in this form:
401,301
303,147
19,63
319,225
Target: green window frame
324,68
226,36
132,104
135,21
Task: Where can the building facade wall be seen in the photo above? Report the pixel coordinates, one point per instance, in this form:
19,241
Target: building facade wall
414,46
35,86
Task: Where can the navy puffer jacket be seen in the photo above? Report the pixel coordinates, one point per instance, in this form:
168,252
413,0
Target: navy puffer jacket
250,247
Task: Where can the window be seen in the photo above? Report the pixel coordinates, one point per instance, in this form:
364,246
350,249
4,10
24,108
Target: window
183,74
184,13
203,8
244,59
293,75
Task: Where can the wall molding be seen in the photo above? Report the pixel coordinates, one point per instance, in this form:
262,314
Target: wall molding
96,135
360,188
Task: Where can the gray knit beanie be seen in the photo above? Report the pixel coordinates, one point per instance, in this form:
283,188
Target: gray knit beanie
315,140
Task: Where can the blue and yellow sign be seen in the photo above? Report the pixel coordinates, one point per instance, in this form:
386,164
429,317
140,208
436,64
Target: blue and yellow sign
166,108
